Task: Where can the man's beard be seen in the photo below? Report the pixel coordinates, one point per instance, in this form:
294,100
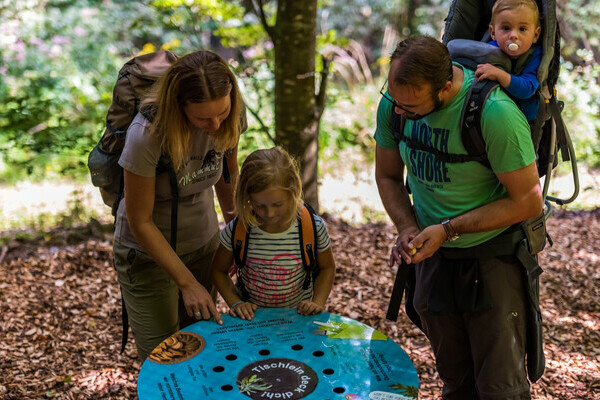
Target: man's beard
437,104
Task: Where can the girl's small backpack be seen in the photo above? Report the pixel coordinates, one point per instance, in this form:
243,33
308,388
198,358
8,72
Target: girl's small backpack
308,244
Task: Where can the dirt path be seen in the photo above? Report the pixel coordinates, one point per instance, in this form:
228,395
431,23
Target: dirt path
351,196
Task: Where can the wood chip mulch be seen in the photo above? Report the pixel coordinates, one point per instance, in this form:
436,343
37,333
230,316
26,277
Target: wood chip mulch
60,325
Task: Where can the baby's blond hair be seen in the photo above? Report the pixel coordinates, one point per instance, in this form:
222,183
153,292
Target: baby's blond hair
503,5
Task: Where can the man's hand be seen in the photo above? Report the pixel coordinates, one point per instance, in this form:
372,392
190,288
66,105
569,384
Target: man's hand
401,249
426,243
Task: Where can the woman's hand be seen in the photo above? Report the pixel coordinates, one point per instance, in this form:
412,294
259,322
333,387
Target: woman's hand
308,307
199,303
243,310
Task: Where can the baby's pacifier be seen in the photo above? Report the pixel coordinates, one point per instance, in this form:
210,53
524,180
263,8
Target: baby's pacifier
513,47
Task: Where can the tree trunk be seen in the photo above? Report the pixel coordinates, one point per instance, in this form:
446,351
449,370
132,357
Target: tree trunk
296,110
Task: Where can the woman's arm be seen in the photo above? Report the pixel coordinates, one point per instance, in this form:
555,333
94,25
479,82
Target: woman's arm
139,202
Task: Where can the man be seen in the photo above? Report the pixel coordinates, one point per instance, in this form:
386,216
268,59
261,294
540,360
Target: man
472,306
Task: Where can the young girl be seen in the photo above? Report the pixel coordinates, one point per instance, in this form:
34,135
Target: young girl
268,200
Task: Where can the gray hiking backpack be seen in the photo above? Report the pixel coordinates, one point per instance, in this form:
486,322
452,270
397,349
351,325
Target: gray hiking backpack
466,34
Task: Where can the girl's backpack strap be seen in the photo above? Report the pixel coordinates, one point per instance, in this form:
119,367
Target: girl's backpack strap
308,243
239,241
239,245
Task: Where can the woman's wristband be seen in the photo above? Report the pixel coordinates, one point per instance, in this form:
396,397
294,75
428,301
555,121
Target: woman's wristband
236,303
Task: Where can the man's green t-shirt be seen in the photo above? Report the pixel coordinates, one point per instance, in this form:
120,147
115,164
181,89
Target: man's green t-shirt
445,190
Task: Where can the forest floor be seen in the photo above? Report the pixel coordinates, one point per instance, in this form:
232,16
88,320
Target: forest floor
60,303
61,315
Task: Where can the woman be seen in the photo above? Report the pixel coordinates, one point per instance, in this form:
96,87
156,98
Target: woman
194,116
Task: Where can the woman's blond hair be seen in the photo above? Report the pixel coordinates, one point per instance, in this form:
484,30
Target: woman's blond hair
194,78
266,169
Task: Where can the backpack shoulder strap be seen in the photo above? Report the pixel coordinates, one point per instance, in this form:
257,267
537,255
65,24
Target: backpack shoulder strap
239,245
308,242
239,241
165,165
471,134
398,124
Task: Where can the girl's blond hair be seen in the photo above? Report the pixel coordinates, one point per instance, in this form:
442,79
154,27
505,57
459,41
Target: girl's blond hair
266,169
195,78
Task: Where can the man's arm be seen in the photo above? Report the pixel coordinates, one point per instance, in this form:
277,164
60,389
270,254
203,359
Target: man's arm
523,201
389,175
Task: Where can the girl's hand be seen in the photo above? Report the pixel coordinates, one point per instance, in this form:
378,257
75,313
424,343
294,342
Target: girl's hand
198,302
308,307
243,310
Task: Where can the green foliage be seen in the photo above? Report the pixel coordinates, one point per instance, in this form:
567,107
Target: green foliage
578,88
349,120
61,58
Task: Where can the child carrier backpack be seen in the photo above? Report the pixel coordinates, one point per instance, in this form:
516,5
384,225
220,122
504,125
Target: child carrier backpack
466,35
308,245
470,20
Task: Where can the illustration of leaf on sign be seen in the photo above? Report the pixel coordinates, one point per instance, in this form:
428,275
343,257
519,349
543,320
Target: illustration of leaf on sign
341,330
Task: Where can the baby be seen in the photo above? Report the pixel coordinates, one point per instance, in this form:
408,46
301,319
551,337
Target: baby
515,28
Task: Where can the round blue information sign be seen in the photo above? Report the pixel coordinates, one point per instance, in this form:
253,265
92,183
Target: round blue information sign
278,355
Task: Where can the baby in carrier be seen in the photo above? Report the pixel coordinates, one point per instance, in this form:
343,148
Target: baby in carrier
515,29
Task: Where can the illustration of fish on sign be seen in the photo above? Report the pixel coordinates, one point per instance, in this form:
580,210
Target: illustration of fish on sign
342,330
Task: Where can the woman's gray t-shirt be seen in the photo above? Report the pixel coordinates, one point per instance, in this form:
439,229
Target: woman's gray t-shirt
197,219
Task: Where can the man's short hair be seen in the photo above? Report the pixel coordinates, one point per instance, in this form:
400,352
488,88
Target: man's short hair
423,60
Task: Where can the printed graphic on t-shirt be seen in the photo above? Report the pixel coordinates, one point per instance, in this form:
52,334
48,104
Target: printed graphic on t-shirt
423,164
276,282
208,169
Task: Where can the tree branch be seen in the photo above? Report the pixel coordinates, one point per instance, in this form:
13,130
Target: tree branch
320,96
195,26
264,128
259,10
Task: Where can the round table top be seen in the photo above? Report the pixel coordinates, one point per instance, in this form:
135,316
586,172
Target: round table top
278,355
